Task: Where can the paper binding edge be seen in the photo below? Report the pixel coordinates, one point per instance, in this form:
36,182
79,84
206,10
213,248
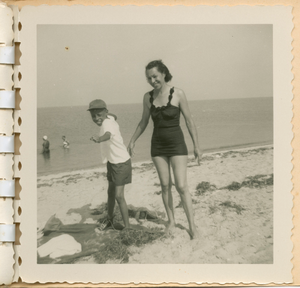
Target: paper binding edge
9,34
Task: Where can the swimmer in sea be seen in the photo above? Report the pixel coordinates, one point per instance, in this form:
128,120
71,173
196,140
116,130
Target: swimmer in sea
66,143
46,145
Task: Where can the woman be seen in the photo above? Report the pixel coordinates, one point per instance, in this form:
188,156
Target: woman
168,149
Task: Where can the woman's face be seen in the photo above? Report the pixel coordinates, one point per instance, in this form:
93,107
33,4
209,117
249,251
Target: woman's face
155,78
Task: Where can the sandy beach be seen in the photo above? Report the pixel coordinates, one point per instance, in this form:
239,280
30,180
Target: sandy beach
232,195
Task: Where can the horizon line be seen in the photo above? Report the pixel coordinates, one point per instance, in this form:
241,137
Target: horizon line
125,103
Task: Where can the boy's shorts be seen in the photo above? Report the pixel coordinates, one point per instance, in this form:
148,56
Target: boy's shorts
120,174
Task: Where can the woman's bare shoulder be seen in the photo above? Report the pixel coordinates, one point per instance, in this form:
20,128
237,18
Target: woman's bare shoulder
147,96
179,93
147,99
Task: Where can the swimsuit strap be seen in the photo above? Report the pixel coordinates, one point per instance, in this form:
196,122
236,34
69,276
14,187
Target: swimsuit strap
171,95
151,97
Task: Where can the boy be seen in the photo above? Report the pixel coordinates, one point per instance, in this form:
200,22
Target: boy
114,153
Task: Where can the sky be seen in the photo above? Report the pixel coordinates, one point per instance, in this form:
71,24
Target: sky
80,63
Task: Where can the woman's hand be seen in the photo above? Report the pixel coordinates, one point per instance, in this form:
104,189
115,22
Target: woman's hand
198,155
130,149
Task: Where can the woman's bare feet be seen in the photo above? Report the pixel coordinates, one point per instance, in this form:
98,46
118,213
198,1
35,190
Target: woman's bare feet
194,233
170,229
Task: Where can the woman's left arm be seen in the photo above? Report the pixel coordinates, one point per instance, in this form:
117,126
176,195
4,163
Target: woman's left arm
190,124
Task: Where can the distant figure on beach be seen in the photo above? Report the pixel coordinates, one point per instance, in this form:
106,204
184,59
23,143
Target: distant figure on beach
114,153
168,149
46,145
66,143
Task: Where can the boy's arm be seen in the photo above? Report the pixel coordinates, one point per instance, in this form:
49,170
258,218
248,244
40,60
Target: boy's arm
98,139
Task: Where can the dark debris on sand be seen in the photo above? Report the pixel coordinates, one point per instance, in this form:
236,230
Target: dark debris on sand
257,181
230,205
118,248
139,213
113,243
204,187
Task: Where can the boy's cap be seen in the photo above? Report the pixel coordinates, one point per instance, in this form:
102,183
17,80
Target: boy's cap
97,104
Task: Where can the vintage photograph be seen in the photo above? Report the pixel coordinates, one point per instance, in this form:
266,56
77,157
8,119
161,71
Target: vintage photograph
155,144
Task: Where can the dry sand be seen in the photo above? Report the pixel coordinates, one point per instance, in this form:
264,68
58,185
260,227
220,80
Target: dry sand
236,226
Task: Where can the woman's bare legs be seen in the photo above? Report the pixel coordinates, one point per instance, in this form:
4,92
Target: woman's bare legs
179,166
162,165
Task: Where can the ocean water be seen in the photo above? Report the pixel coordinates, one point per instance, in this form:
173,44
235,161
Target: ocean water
221,125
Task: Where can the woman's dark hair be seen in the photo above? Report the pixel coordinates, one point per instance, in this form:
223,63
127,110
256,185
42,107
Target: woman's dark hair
161,67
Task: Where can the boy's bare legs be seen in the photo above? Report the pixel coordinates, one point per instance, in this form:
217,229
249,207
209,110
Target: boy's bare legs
119,195
111,200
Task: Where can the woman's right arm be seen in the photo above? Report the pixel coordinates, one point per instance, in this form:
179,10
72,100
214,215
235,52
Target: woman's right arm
142,124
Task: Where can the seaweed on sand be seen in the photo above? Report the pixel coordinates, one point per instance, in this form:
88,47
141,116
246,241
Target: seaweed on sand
257,181
140,237
118,248
226,204
204,187
114,250
231,205
233,186
207,158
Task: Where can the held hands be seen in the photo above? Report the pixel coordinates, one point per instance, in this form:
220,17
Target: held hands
130,149
198,155
96,139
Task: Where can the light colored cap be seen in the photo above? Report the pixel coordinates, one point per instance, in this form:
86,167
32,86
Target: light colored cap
45,137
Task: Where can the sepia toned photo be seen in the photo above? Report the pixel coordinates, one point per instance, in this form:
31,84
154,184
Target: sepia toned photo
204,195
161,144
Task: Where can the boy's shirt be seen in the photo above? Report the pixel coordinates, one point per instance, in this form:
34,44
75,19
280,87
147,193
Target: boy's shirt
112,150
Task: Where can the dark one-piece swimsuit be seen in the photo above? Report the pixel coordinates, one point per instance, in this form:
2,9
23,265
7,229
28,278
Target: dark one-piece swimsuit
167,138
